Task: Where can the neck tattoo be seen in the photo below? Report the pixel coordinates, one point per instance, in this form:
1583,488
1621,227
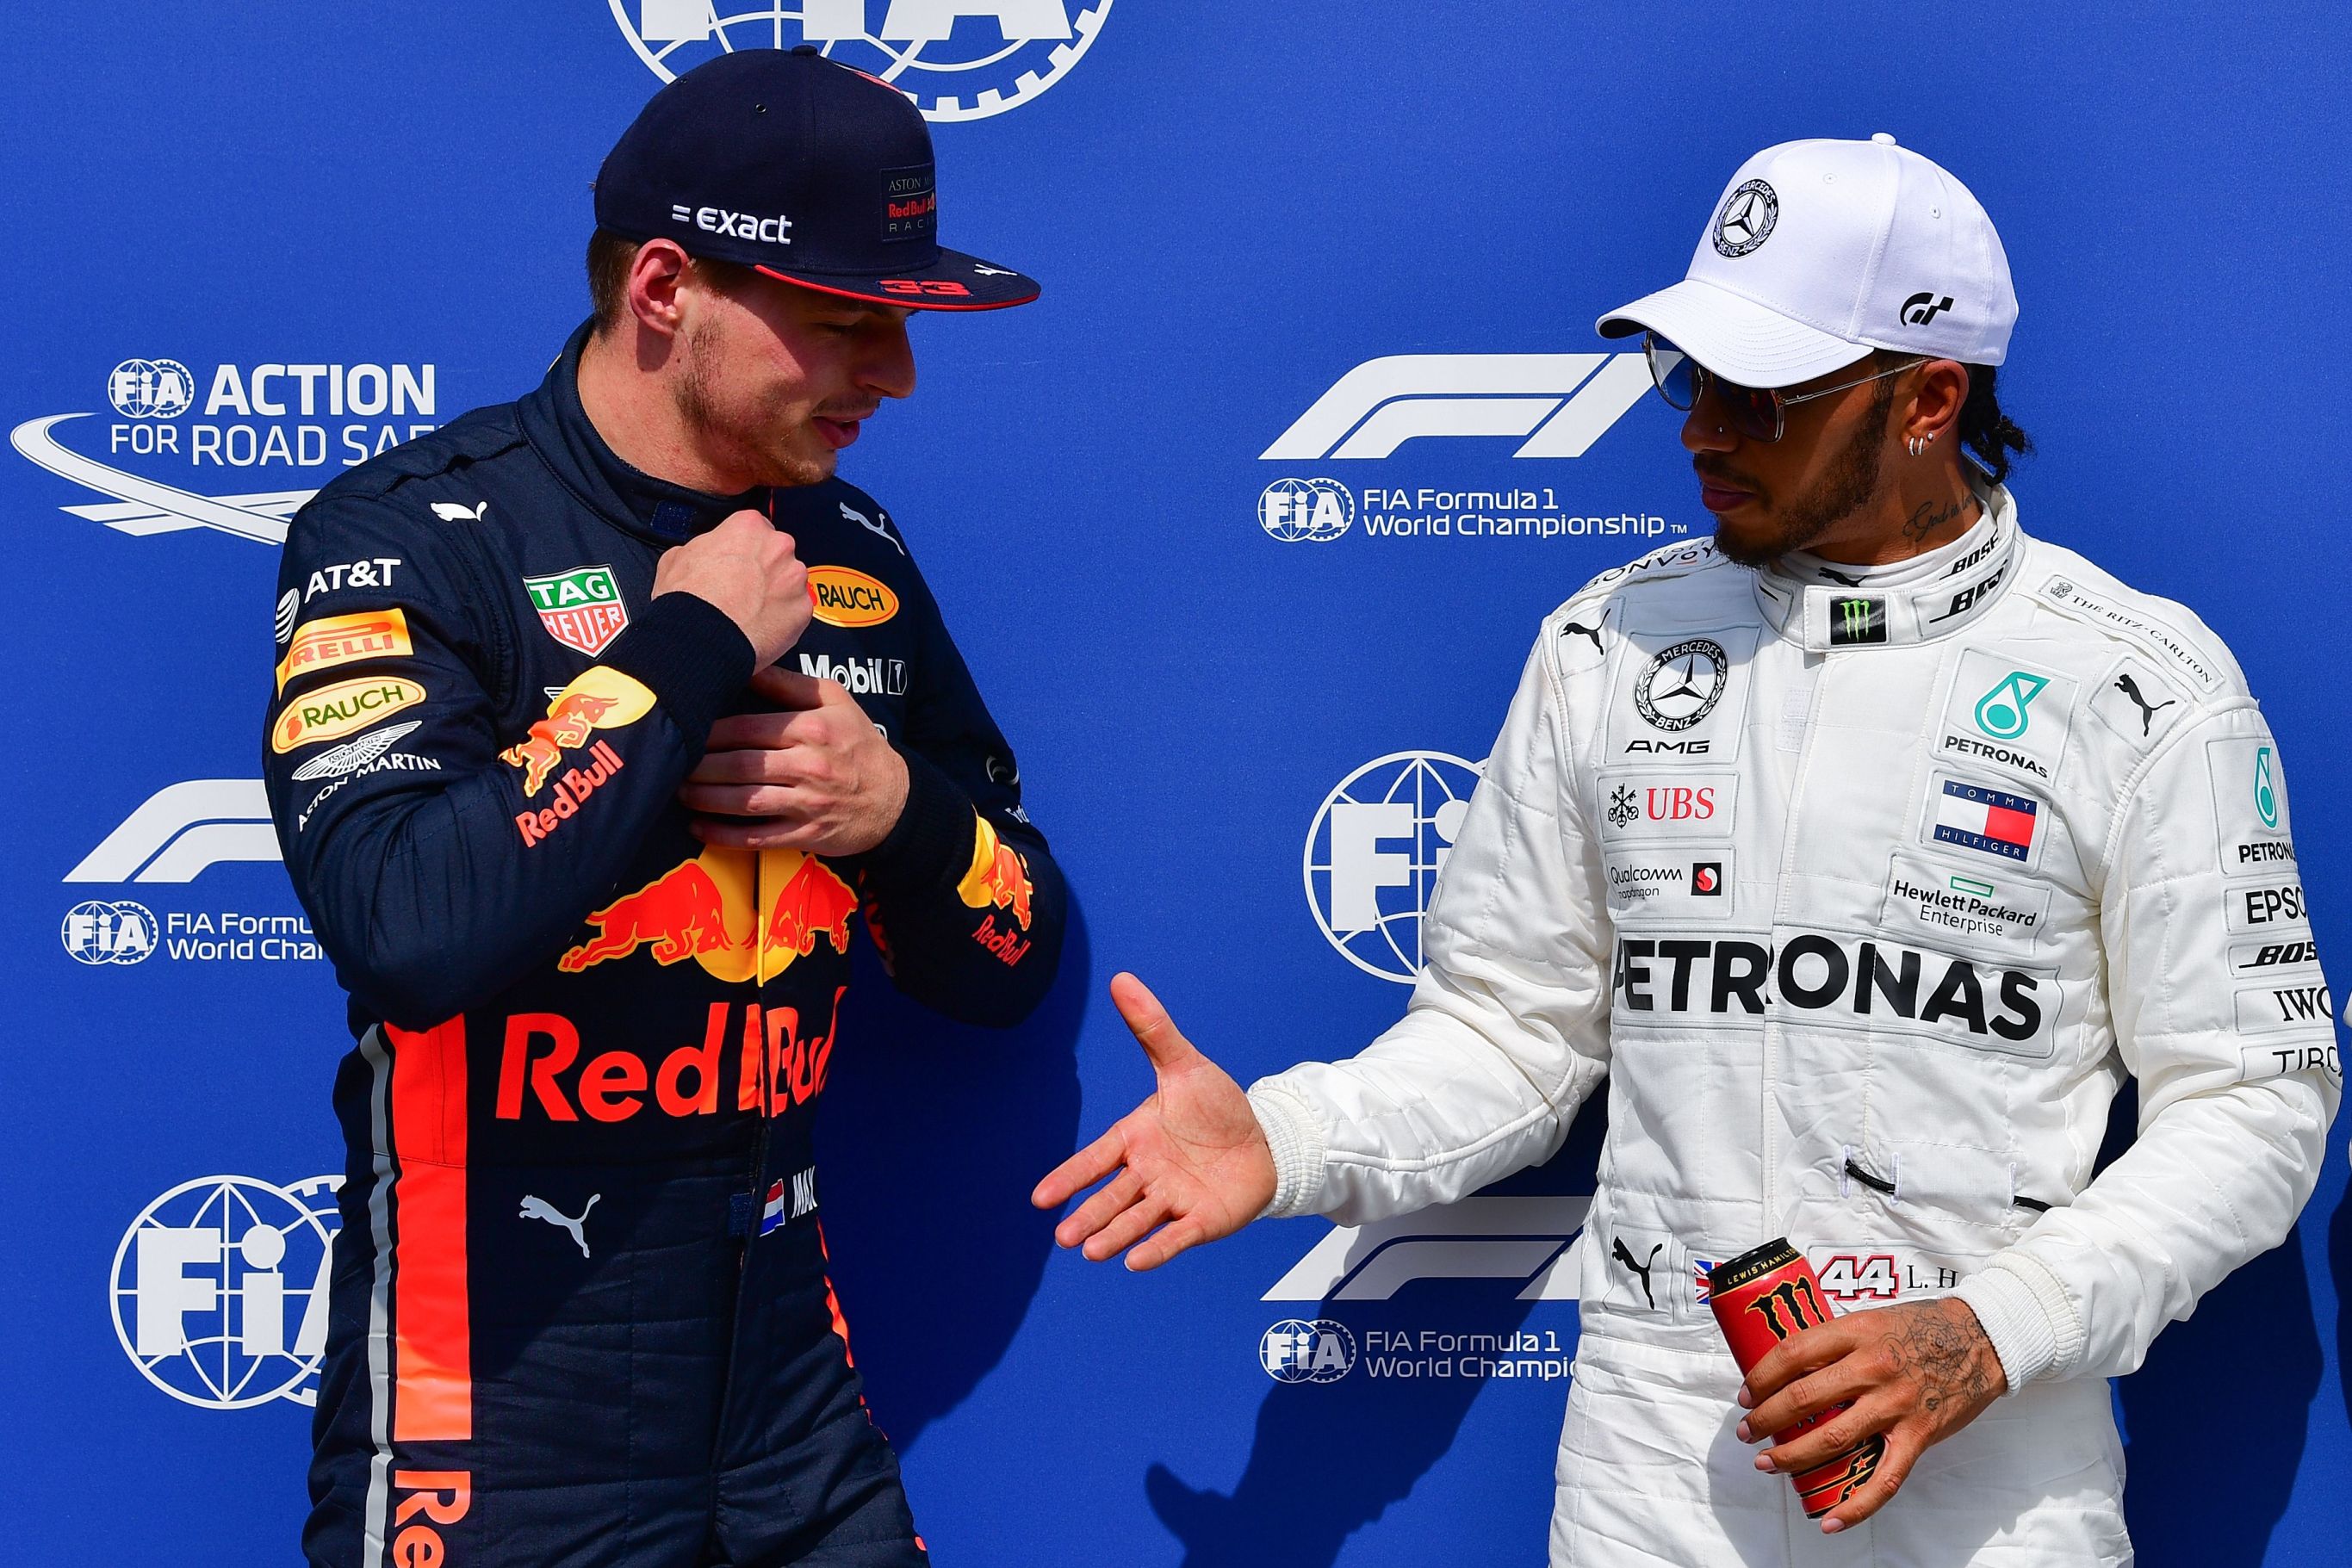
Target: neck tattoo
1929,515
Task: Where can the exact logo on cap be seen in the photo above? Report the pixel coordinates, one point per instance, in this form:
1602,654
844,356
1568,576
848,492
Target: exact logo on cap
735,226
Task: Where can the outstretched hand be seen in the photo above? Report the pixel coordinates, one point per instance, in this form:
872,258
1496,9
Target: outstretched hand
1191,1164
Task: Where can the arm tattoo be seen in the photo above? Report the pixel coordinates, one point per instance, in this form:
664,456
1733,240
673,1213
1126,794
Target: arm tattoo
1948,1362
1929,516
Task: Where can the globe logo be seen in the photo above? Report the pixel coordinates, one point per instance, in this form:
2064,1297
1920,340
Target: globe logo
1319,510
1375,851
99,932
151,389
956,60
1299,1351
219,1289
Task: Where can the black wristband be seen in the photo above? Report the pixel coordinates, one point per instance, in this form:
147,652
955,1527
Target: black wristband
694,660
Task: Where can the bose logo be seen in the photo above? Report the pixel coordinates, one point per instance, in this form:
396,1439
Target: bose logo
1382,403
738,226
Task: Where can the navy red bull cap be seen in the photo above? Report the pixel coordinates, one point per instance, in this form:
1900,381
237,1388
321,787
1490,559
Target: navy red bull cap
811,171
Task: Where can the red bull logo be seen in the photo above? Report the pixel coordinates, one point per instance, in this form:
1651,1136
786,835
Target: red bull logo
777,1067
433,1498
999,878
739,915
1004,942
601,698
680,914
814,902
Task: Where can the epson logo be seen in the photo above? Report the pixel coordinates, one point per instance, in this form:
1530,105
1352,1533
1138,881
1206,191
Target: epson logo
735,226
1999,1009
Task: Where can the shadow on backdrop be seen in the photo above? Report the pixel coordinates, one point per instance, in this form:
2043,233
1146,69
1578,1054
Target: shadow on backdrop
929,1136
2251,1344
1328,1459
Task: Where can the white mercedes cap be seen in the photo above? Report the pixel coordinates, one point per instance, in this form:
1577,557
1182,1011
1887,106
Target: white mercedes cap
1822,251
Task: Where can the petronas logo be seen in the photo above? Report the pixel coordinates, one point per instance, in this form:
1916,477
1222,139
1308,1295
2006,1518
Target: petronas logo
2266,792
2000,711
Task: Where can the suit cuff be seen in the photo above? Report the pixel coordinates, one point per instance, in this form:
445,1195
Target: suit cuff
2025,1314
694,659
1295,1133
932,840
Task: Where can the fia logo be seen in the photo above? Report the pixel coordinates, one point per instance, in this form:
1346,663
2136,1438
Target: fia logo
956,59
1315,510
1373,855
219,1289
1297,1349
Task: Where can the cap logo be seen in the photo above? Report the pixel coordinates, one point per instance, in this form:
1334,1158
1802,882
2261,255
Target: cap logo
1924,307
735,226
910,203
1746,219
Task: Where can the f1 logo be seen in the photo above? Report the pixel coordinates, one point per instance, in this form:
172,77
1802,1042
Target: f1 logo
1561,403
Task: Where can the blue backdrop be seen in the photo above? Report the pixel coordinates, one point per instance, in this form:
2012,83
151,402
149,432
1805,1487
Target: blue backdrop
1130,499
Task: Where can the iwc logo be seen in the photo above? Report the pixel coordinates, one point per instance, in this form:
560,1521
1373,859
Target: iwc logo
956,60
1746,219
1683,685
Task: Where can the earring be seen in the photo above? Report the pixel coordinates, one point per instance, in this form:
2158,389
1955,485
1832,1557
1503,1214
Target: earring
1915,445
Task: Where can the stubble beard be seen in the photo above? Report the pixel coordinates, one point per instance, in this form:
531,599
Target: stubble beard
756,448
1850,484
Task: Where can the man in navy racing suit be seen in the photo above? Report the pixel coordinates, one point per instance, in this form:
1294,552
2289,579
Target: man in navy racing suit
598,716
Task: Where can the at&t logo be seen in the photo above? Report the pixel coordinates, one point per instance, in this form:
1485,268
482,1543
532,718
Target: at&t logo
219,1289
1298,1350
1316,510
956,60
1373,855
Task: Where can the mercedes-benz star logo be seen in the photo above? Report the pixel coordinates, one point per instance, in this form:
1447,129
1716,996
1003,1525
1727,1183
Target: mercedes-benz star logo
1747,220
1683,685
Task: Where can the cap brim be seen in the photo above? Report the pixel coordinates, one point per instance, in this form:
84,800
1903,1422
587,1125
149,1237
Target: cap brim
1732,336
954,282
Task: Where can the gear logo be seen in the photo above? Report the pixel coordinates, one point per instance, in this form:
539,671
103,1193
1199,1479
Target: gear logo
956,60
1748,218
1375,852
219,1289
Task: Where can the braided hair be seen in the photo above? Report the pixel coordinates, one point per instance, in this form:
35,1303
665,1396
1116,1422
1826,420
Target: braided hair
1990,435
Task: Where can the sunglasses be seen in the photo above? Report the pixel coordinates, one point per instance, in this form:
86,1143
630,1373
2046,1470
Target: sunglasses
1759,413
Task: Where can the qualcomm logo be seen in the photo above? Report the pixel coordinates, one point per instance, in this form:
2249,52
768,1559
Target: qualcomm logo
181,828
956,60
1374,851
1561,403
1523,1240
219,1289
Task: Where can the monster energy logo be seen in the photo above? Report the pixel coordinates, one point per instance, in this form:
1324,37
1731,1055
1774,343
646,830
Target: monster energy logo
1857,621
2000,711
2266,792
1796,1299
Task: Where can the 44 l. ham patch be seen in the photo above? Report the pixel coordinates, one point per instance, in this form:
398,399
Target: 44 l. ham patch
581,608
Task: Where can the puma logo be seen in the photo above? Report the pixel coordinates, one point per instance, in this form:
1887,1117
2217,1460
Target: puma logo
1639,1271
2131,688
1572,629
539,1209
450,512
1841,577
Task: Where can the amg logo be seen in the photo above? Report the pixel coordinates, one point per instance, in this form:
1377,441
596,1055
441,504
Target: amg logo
1818,974
863,677
1681,748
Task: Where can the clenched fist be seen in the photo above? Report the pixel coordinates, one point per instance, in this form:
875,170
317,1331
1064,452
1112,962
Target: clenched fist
748,569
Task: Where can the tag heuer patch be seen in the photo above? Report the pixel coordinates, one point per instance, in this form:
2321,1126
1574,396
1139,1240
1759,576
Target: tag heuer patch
581,608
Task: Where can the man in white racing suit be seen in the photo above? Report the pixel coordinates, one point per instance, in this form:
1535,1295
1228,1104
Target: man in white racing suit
1862,852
